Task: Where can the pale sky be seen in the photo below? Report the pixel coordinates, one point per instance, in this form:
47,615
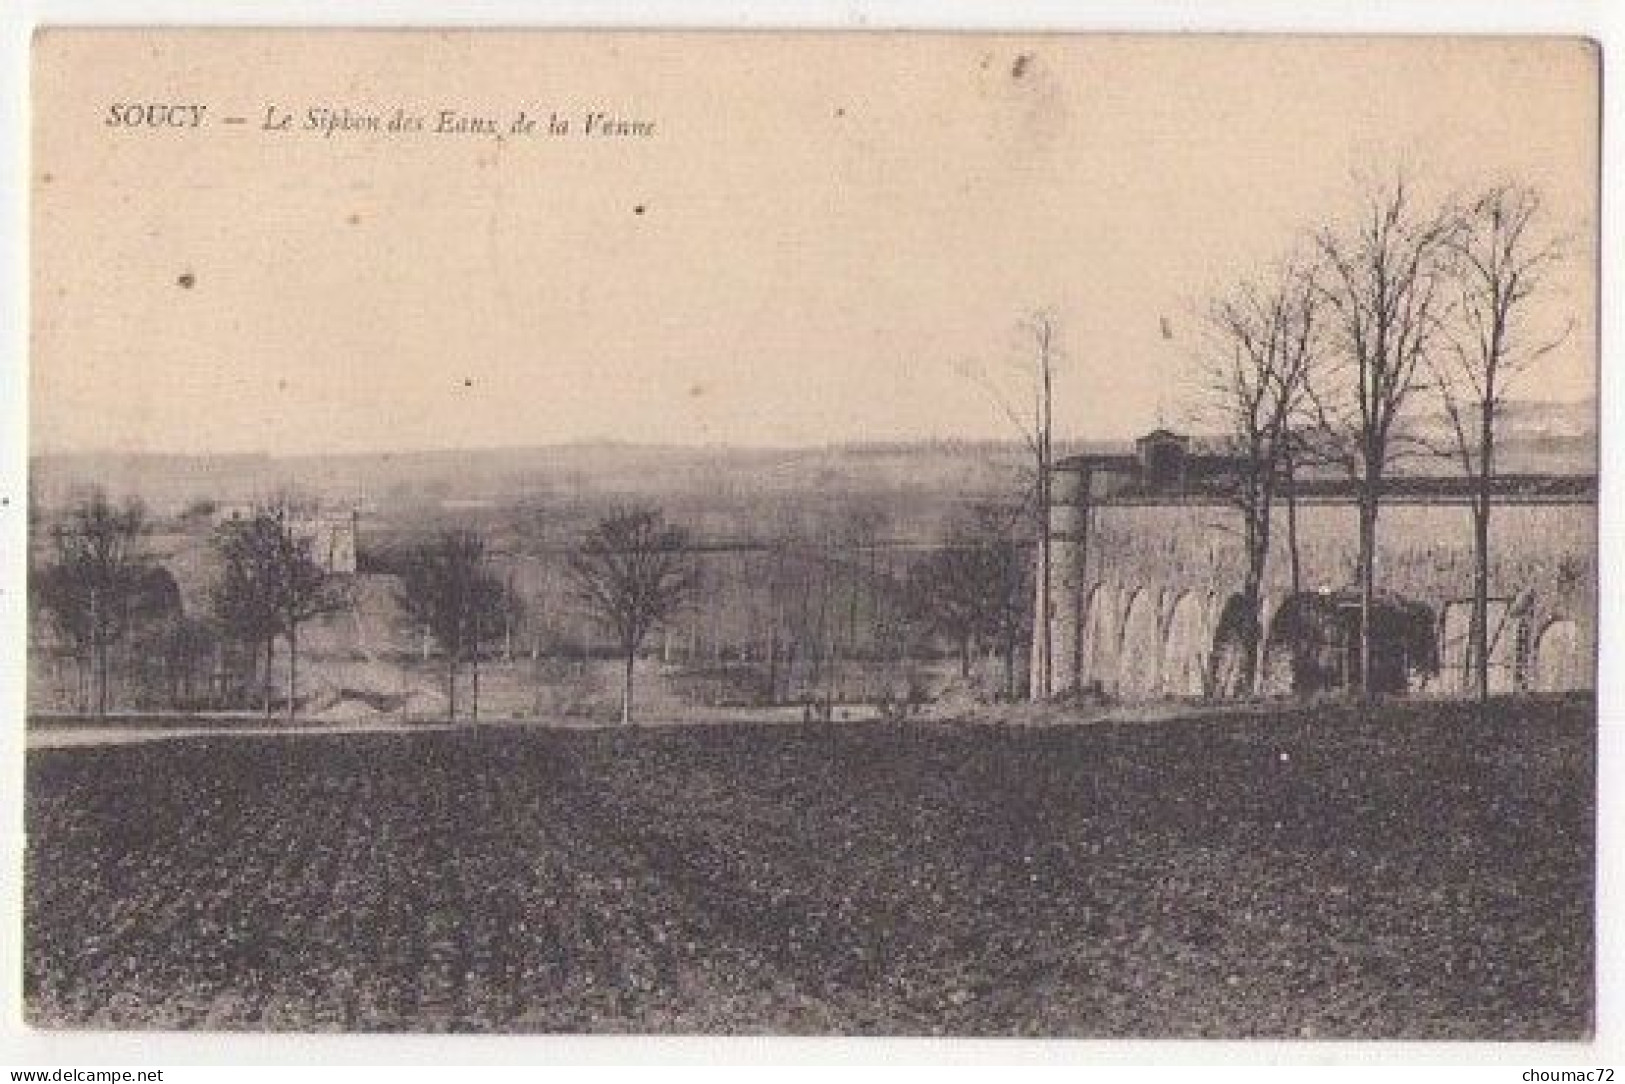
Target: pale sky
831,227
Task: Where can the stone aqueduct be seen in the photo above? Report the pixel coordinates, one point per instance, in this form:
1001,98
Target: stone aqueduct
1147,553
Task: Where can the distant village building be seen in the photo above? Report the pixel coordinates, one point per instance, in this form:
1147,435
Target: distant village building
1148,564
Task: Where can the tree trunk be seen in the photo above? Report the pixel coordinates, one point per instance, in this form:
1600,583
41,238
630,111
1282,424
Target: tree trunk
833,673
773,668
98,654
101,677
626,687
451,686
1478,641
1081,599
1292,524
1256,511
831,649
1046,496
1010,661
1368,581
1043,663
1252,637
850,647
265,681
1480,637
293,667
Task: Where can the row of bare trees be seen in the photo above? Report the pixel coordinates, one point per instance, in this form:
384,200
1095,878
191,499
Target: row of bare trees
1326,361
634,572
99,584
631,573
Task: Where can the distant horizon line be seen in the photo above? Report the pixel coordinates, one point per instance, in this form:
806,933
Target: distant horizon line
1591,399
582,443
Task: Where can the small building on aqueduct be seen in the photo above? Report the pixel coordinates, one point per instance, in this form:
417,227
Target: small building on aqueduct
1147,555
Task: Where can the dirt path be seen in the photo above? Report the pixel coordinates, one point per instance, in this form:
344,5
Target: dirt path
69,737
75,734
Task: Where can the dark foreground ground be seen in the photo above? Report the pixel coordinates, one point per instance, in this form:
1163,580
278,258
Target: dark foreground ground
1416,874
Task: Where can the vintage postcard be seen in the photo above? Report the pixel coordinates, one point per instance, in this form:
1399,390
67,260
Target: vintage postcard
905,534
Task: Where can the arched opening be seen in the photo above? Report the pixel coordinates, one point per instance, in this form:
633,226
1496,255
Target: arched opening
1229,674
1140,657
1455,629
1523,654
1185,657
156,595
1558,664
1504,623
1313,644
1101,633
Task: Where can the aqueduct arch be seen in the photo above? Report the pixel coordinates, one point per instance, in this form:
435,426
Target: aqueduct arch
1505,624
1139,672
1559,663
1102,630
1186,647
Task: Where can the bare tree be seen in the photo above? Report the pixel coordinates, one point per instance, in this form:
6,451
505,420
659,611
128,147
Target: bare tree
794,582
245,596
1384,284
1044,362
944,595
1255,381
447,588
305,590
857,534
273,584
494,608
973,590
187,643
1036,428
1501,262
95,580
632,572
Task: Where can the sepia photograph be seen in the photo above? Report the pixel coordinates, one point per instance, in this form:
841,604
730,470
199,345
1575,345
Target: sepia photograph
807,533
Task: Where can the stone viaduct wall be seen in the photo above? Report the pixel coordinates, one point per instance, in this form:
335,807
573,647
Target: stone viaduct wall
1138,586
